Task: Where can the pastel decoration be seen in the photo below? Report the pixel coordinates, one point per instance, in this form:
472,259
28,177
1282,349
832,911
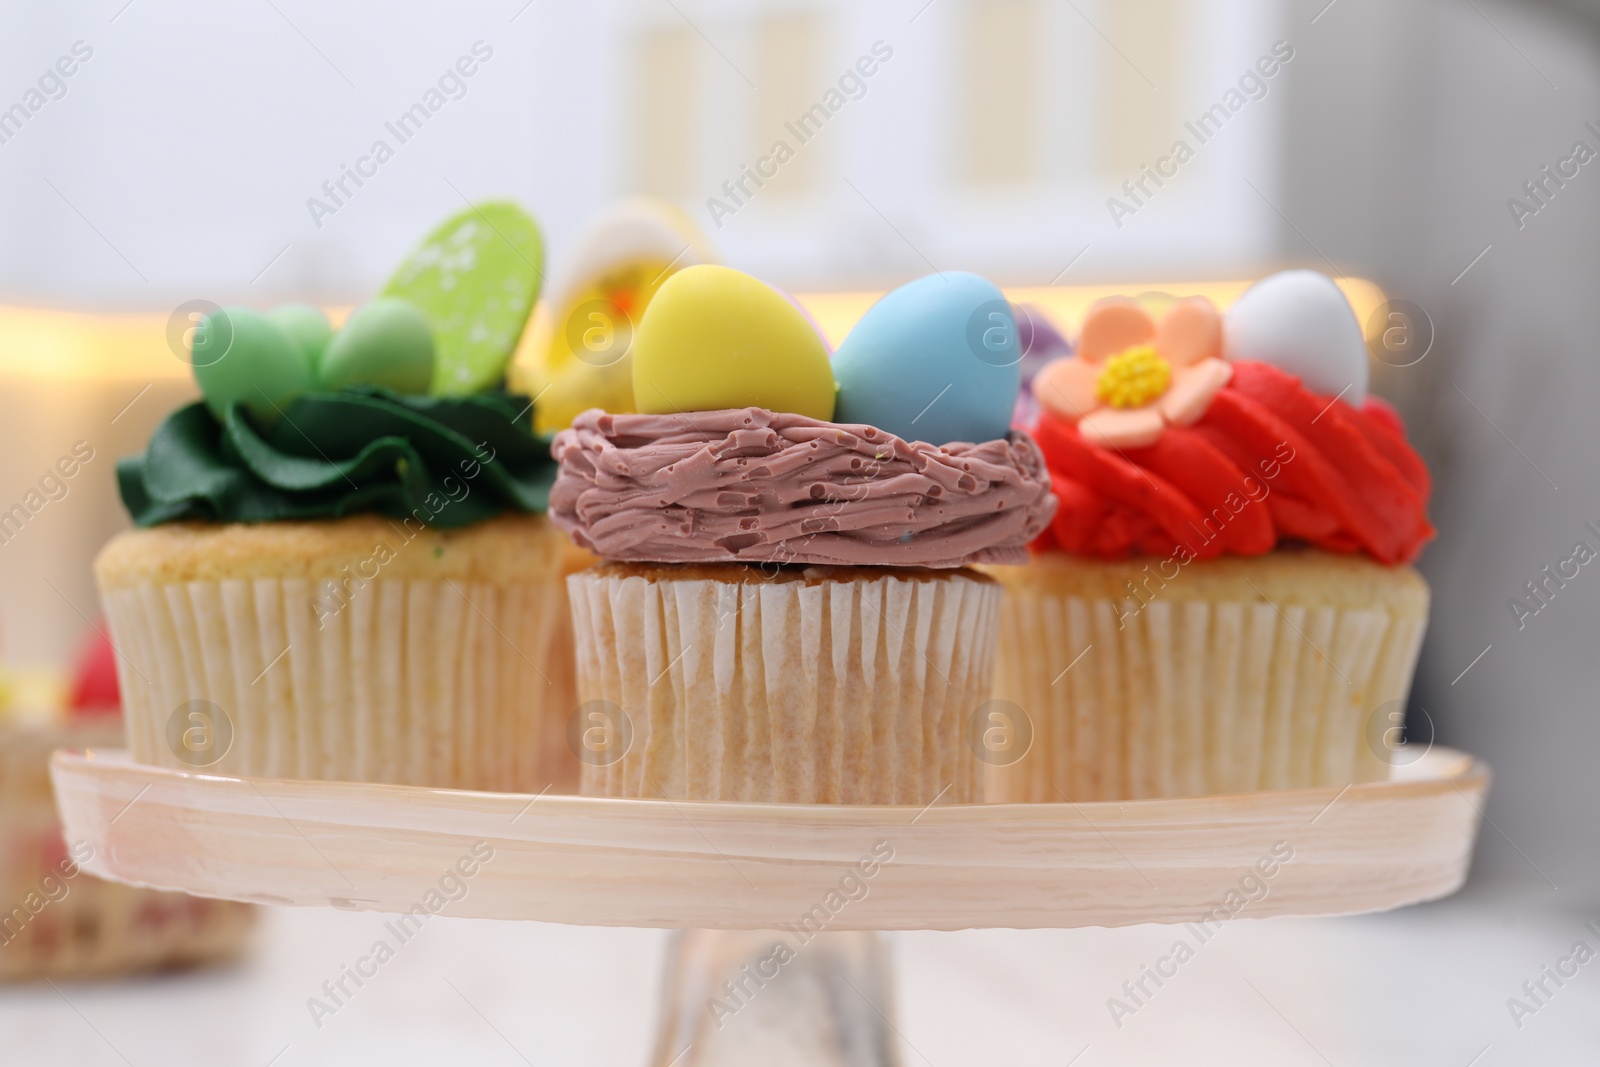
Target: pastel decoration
937,360
387,342
1189,332
476,279
1299,321
1037,339
1040,342
588,324
242,357
716,338
578,388
306,325
1113,325
1133,376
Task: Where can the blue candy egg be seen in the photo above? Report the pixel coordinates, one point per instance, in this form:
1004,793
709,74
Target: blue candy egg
936,360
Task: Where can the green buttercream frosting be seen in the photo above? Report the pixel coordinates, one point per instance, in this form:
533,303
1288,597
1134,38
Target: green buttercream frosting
446,461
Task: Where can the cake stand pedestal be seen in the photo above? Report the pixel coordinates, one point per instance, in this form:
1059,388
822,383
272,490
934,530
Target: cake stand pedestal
735,997
803,873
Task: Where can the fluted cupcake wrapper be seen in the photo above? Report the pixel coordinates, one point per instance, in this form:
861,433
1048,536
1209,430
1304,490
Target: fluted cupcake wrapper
839,691
1190,697
442,683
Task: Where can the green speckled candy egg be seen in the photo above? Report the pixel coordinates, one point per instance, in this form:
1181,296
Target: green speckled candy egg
476,278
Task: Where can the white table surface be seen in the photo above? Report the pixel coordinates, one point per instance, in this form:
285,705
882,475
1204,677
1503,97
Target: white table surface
1422,986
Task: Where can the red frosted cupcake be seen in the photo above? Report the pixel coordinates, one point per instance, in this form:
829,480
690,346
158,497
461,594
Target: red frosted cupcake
1223,601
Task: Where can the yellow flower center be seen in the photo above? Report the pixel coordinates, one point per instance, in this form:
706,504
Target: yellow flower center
1134,377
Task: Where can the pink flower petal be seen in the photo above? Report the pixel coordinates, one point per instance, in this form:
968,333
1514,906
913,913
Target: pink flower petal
1066,387
1192,389
1189,332
1111,326
1123,427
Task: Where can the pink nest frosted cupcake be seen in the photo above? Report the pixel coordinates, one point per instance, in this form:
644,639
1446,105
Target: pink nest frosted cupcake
787,611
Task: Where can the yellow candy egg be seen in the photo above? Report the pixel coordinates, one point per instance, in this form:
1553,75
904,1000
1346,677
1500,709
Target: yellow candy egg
717,338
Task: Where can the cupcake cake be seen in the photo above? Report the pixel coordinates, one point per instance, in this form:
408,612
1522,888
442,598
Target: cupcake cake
787,609
341,568
1223,600
62,922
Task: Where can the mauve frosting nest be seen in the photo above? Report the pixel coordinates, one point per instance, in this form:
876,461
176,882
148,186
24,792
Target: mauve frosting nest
753,486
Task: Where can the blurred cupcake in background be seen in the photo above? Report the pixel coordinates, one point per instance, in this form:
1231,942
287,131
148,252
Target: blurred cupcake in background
787,610
56,921
342,569
1223,601
578,354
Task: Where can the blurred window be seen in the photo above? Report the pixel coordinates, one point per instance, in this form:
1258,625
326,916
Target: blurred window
1141,75
790,80
998,42
664,107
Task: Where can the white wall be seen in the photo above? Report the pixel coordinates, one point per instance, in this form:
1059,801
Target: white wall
1413,125
193,138
183,154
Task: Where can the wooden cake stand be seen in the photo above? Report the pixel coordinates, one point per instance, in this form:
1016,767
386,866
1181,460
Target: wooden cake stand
777,964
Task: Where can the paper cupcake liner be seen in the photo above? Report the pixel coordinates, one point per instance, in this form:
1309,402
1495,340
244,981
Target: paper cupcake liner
452,684
838,691
1190,697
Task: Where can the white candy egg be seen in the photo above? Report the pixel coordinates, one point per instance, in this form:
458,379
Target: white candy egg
1300,322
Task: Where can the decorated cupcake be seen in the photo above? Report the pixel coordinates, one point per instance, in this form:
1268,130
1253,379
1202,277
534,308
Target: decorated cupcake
786,611
1223,600
61,922
342,569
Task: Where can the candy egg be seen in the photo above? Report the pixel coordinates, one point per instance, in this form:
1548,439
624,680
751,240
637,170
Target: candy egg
1300,322
387,342
476,279
1039,342
717,338
810,321
936,360
306,326
241,357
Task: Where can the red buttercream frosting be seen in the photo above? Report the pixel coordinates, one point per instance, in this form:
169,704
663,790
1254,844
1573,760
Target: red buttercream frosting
1268,463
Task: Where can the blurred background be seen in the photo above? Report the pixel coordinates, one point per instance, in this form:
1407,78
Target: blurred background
196,152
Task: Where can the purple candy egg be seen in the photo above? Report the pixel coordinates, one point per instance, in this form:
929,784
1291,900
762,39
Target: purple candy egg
1040,342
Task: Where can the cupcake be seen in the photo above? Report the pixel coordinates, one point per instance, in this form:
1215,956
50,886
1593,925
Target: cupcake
1223,601
787,610
62,922
341,568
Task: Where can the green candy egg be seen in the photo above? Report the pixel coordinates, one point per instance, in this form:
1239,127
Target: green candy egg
476,278
387,342
242,357
306,325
